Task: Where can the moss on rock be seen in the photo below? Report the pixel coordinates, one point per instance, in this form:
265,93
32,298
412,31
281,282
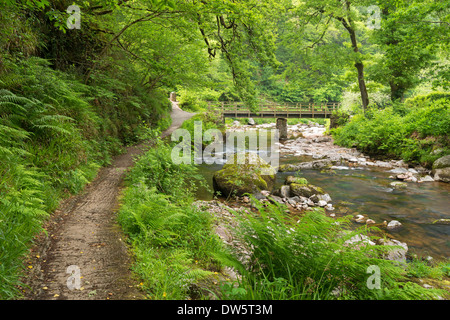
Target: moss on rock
246,174
303,190
297,180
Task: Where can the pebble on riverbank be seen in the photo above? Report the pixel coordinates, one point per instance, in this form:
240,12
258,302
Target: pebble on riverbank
393,225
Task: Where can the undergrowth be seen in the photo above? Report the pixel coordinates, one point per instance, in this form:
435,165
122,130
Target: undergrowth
315,257
287,257
416,131
55,133
172,240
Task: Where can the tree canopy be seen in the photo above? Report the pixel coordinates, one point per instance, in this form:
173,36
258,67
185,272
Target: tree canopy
285,50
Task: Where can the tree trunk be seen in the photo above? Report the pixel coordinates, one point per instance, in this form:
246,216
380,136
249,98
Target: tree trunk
358,64
397,92
362,85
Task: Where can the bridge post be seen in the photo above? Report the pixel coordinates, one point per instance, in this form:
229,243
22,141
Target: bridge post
282,128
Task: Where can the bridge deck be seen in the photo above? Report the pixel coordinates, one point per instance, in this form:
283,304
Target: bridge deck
288,110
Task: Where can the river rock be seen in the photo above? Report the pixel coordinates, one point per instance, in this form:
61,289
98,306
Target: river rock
265,193
318,197
396,254
322,139
261,195
401,163
382,164
305,190
442,221
393,225
398,185
317,164
359,218
321,203
292,202
441,169
443,162
426,178
250,176
358,240
293,179
407,176
325,197
276,199
442,174
398,170
301,199
285,191
251,122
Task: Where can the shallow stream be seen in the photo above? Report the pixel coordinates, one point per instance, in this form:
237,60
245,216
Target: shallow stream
366,190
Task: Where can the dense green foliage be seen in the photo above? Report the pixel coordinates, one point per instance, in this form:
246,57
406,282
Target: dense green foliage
173,240
287,257
55,132
416,131
70,99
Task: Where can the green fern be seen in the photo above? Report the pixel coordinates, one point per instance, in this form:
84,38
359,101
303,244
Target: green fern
311,256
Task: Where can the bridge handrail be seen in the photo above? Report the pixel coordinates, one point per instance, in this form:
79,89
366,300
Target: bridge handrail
239,107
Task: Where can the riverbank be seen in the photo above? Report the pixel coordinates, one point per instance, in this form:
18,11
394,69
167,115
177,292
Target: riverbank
310,153
308,141
274,255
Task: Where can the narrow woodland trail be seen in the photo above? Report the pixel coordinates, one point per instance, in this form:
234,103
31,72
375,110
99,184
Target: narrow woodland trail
83,235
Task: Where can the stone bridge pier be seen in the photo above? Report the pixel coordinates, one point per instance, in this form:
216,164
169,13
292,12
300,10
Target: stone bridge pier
282,128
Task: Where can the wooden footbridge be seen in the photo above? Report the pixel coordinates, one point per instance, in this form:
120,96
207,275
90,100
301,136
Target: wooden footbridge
273,110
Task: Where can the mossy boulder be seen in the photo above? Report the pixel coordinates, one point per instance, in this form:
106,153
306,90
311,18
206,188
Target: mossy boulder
441,163
297,180
305,190
244,173
441,169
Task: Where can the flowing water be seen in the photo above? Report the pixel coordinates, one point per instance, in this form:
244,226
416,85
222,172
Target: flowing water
367,191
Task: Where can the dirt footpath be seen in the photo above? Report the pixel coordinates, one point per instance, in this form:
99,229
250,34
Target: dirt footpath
83,255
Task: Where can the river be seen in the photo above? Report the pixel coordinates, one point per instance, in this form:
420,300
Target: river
363,189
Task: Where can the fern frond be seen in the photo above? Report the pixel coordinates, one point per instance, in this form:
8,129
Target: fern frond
14,99
11,107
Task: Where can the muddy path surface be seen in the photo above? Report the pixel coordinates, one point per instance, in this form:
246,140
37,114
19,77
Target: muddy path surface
83,255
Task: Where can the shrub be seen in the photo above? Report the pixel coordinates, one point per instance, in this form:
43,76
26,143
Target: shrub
196,101
409,132
339,118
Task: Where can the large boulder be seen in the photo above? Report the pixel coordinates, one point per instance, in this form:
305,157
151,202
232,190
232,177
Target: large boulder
305,190
397,252
441,169
246,174
316,164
